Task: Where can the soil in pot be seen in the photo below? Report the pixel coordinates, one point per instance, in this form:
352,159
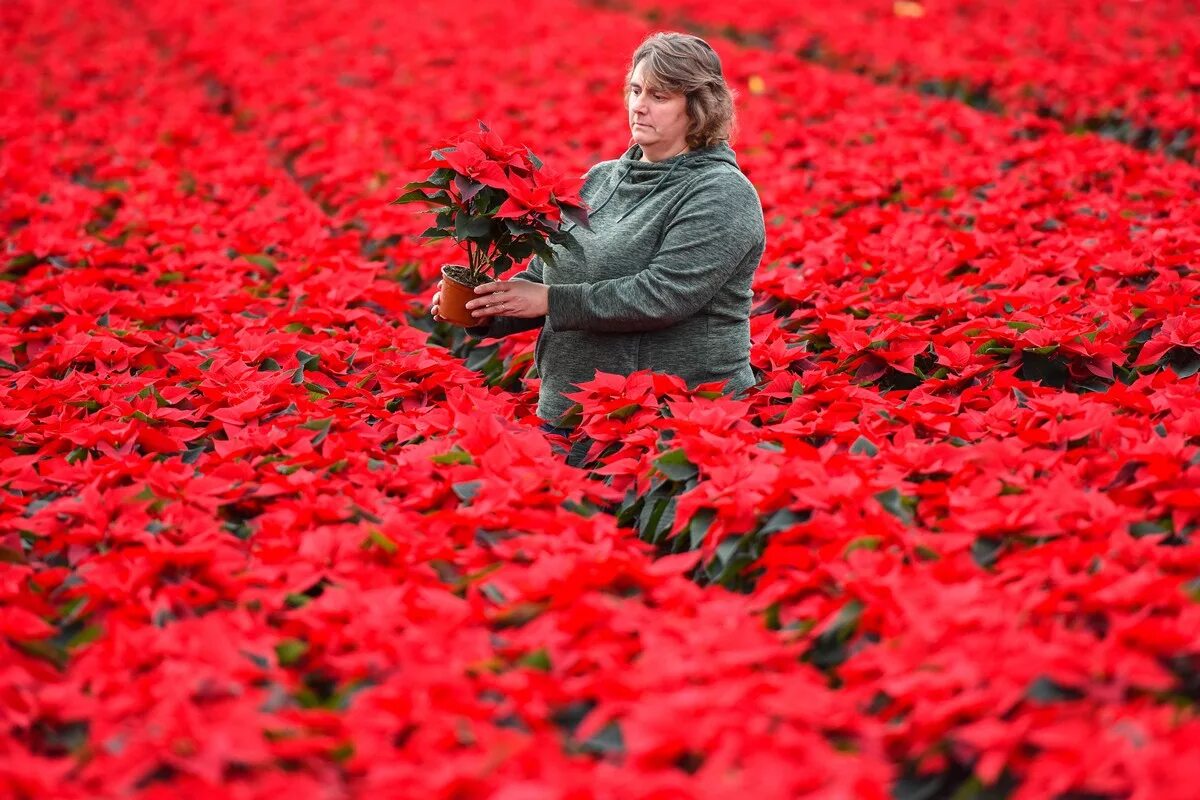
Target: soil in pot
458,288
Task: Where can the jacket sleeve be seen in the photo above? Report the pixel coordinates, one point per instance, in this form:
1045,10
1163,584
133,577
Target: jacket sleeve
498,327
715,228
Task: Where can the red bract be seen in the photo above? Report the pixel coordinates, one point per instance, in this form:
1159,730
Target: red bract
525,200
506,155
469,159
1183,332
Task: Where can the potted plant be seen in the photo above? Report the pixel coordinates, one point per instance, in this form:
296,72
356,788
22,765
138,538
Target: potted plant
498,202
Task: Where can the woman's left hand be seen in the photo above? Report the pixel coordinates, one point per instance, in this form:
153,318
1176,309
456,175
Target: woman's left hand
519,298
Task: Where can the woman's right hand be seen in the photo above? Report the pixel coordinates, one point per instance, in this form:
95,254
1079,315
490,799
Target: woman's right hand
435,302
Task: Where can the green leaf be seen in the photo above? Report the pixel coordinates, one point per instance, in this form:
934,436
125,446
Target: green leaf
86,636
675,465
624,412
698,526
577,215
607,740
543,250
926,553
771,618
1036,366
501,264
864,445
519,251
896,504
1045,691
1184,361
419,185
466,490
455,455
382,541
985,550
467,188
492,593
415,196
321,426
538,659
862,543
1150,527
290,651
785,518
434,232
656,517
489,200
442,176
466,227
262,260
45,650
829,647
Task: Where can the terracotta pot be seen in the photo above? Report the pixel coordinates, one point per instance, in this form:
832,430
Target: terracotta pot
455,294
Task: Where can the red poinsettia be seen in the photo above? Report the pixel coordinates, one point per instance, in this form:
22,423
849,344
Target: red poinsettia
498,202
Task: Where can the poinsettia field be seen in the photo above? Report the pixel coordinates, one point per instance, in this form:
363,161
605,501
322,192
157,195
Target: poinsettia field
266,528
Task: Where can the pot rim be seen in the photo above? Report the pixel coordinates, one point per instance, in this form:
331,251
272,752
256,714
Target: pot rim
448,277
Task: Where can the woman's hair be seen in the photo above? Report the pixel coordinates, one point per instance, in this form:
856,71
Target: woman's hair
679,62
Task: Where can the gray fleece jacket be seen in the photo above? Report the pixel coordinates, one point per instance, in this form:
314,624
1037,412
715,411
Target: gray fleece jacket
661,281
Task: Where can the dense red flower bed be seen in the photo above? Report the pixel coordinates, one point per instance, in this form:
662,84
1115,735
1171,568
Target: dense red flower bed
1128,69
266,529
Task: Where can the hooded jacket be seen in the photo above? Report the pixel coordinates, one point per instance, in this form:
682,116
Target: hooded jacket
660,279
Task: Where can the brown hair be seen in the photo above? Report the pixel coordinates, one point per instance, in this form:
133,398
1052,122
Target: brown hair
687,65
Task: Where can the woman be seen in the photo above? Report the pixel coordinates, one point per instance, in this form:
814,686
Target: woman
661,281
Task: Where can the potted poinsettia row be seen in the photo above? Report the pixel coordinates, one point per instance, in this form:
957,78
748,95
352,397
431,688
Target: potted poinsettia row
500,203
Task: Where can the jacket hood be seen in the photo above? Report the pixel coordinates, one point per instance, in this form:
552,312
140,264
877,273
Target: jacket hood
692,159
639,180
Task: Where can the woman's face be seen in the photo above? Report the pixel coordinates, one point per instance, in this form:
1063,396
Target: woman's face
658,119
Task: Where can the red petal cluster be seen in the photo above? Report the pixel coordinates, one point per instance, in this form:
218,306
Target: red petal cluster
1129,71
